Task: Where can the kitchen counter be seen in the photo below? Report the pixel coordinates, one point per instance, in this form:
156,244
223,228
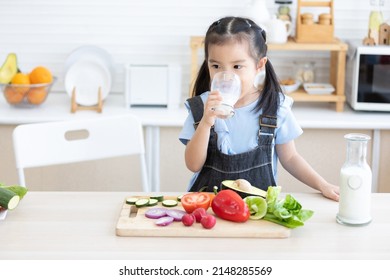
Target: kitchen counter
81,225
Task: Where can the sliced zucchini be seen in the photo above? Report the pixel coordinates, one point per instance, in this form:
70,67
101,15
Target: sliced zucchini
169,203
152,202
142,202
180,197
132,200
158,197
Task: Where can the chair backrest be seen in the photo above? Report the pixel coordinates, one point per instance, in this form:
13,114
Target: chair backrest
43,144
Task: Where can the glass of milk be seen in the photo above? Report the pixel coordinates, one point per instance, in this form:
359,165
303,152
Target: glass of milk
229,86
355,183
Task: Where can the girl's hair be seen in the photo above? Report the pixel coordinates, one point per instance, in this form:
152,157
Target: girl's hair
239,29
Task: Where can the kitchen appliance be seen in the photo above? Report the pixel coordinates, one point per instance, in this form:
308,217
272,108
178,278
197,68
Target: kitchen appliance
153,85
367,77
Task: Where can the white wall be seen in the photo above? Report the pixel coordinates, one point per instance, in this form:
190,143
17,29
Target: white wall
44,32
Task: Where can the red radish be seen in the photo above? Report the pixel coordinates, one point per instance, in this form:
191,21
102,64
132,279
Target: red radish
199,213
188,220
164,221
155,213
208,221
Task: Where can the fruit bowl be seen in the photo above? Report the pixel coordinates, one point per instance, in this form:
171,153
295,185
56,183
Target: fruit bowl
31,95
290,85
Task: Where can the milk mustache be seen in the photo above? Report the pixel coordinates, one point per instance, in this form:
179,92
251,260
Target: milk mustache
355,183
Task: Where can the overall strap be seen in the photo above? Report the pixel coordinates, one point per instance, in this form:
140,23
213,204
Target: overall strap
197,109
267,126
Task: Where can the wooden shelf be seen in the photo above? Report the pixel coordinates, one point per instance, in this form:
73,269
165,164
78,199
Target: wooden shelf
338,53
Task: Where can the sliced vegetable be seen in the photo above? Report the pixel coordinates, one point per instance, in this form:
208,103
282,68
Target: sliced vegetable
164,221
158,197
191,201
169,203
131,200
257,207
8,199
142,202
152,202
176,214
155,213
180,197
228,205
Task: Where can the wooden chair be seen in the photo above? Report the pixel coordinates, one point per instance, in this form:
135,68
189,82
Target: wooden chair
44,144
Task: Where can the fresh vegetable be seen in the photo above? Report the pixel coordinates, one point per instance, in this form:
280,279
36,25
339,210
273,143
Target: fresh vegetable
131,200
8,199
208,221
176,214
287,212
155,213
158,197
257,207
142,202
243,188
199,213
19,190
192,201
188,220
164,221
152,202
228,205
179,197
169,203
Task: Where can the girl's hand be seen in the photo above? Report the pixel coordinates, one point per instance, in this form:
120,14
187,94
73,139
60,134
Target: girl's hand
331,191
214,99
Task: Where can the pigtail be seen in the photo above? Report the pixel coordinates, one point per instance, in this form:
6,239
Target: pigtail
202,82
269,98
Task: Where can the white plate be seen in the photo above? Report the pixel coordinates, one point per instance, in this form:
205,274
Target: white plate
318,88
87,76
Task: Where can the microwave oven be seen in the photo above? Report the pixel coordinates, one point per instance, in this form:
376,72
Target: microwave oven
367,86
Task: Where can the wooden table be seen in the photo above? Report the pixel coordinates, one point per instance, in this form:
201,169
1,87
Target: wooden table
81,225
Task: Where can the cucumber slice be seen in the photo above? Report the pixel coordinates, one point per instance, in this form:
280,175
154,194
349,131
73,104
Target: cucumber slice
169,203
180,197
142,202
158,197
152,202
132,200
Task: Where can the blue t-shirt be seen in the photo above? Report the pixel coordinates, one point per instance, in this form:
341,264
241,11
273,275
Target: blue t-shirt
239,134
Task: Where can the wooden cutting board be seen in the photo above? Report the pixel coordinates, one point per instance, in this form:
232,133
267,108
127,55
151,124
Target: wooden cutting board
132,222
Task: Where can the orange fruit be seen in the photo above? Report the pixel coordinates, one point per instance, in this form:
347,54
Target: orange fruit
37,95
41,75
12,95
20,79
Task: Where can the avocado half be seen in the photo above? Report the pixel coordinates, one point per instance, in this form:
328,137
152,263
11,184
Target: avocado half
8,69
253,191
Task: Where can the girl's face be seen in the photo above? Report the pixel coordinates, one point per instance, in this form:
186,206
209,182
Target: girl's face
235,57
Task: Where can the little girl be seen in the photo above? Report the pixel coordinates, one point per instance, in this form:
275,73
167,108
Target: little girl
263,129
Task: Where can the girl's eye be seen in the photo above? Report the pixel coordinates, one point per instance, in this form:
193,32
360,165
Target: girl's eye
215,66
237,66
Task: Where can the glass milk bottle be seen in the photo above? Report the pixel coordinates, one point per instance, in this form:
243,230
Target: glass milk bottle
355,183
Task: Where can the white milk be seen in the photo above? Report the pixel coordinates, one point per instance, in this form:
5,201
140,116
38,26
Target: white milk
355,195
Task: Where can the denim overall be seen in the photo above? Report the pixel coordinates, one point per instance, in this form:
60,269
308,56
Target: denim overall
255,165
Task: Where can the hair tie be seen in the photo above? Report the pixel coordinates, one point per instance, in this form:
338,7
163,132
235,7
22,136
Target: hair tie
247,22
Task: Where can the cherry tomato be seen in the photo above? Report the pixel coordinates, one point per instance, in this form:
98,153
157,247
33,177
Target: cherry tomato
188,219
208,221
199,213
191,201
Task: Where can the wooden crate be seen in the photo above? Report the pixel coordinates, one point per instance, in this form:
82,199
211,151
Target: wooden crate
314,33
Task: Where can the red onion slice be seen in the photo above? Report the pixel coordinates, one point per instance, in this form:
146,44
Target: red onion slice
164,221
177,215
155,213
